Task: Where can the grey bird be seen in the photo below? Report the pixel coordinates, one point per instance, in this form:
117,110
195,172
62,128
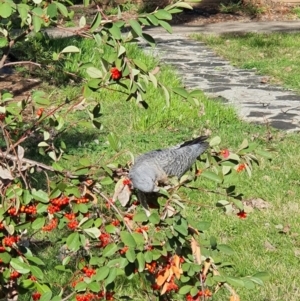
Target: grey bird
156,166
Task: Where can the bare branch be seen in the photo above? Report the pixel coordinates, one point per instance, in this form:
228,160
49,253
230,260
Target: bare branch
22,63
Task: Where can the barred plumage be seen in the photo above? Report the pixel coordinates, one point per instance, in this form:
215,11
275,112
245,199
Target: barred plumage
155,166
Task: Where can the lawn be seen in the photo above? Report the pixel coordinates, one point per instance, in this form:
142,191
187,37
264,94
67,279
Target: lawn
268,239
275,55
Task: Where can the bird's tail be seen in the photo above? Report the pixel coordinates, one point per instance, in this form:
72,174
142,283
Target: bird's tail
199,140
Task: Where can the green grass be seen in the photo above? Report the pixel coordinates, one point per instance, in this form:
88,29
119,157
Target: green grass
276,55
275,181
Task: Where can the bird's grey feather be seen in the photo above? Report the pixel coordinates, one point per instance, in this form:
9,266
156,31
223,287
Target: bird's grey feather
155,166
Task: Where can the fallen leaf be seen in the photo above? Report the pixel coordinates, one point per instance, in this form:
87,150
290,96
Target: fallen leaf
196,251
162,277
122,193
164,288
286,229
155,70
234,298
258,203
269,246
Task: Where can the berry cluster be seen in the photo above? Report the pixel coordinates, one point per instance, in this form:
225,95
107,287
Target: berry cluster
115,222
82,200
12,211
141,229
10,240
116,74
241,167
70,216
14,275
90,296
207,294
52,225
124,250
72,224
88,272
105,239
36,296
151,267
57,204
29,209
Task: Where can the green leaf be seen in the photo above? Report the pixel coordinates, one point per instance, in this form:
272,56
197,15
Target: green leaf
257,281
42,288
112,276
235,281
70,49
102,273
94,287
94,72
46,296
62,9
52,10
127,239
37,23
115,31
166,26
130,255
5,10
185,289
139,238
21,267
92,232
140,217
135,25
96,22
40,195
211,176
38,223
106,181
140,65
244,144
262,275
5,257
154,218
73,241
163,14
215,141
148,256
37,272
182,5
225,249
81,286
153,20
114,142
3,42
167,95
182,92
141,262
110,250
264,154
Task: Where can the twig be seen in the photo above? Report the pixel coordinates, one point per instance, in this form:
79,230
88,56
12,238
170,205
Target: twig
21,63
11,43
31,162
113,205
69,296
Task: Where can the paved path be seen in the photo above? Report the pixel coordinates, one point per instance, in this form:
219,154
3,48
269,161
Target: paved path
201,68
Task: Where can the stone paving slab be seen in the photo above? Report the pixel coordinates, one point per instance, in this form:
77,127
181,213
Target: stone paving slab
201,68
